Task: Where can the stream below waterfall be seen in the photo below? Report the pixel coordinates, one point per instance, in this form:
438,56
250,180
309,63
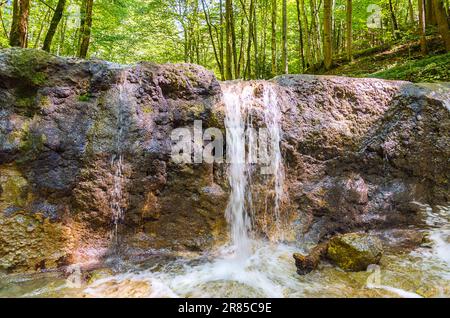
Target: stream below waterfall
248,266
269,271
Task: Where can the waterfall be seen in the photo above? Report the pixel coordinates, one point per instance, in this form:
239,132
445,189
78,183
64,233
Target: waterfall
117,162
242,100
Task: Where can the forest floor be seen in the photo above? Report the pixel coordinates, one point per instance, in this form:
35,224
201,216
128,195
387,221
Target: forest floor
399,61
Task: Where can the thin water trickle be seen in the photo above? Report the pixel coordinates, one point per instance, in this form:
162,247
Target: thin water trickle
117,163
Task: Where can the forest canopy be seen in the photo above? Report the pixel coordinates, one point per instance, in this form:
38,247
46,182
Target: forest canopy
235,38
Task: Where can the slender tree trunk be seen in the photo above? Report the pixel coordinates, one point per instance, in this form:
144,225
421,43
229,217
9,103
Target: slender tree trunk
255,41
19,25
327,42
348,34
263,57
234,45
85,30
411,12
249,16
62,37
393,19
300,37
442,21
274,38
241,58
54,25
284,48
316,36
423,40
216,55
229,40
306,33
221,38
3,22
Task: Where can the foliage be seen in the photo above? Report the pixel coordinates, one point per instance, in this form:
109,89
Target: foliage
127,31
431,69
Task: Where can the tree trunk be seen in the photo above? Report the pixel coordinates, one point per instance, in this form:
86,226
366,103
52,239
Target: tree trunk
348,34
221,38
54,25
229,40
284,48
327,43
234,45
430,17
442,21
300,31
216,55
393,19
19,25
307,35
255,38
274,38
85,30
411,12
3,22
423,40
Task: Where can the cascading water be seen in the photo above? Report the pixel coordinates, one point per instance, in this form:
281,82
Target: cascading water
242,154
117,162
272,116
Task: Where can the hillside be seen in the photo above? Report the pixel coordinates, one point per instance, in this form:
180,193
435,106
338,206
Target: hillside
400,61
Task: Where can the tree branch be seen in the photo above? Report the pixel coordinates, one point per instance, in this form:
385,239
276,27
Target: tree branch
46,4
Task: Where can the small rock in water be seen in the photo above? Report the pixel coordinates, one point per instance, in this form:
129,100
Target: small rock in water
307,263
355,251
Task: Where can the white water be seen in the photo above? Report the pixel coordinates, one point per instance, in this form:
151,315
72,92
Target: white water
242,154
117,209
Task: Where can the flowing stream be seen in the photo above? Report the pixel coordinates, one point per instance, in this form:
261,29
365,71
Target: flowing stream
249,266
116,203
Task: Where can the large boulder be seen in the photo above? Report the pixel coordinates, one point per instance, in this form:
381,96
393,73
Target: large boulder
355,251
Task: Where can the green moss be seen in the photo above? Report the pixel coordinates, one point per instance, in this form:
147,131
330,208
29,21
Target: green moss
85,97
25,102
45,102
14,188
30,64
30,144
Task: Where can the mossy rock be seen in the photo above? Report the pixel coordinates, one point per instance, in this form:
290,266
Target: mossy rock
13,188
30,65
355,251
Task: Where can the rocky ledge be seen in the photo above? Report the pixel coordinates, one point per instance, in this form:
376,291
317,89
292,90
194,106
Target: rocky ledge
359,156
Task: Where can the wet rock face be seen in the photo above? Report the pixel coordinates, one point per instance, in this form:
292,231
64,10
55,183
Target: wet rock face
354,251
357,153
360,152
63,122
